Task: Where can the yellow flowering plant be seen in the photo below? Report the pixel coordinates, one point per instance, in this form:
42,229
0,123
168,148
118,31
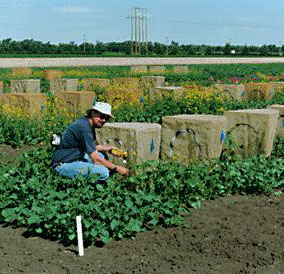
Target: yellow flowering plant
205,100
118,94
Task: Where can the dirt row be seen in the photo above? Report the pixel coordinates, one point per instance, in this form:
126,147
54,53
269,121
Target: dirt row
112,61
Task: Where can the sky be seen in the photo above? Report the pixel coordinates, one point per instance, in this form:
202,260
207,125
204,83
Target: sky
239,22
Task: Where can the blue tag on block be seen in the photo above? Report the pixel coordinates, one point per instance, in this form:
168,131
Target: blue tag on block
141,99
283,123
223,136
243,93
152,146
94,101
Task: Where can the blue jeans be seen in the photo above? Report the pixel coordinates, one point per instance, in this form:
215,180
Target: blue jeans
83,168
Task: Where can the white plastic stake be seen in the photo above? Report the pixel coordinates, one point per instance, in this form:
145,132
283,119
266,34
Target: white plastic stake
80,235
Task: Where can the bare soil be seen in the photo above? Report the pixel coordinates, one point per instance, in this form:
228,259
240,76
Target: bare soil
11,155
232,234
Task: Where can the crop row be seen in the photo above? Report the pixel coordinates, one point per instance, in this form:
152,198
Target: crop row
16,129
197,74
157,193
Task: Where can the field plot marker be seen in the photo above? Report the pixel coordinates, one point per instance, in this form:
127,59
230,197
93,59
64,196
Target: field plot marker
80,235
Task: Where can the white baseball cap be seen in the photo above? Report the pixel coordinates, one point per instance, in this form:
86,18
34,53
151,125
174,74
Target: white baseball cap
103,108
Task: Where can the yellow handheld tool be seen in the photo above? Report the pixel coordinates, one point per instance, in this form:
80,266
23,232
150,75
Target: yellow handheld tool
119,153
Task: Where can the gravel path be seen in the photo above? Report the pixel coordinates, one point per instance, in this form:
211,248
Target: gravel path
69,62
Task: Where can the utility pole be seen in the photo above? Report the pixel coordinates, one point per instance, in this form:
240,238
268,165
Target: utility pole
139,16
84,42
131,31
143,29
146,41
139,32
135,16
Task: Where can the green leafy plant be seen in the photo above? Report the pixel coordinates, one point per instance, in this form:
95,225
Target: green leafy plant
157,193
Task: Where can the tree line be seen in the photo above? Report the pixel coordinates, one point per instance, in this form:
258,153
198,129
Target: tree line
30,46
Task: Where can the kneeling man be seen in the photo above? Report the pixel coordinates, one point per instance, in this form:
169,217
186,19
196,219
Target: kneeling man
78,152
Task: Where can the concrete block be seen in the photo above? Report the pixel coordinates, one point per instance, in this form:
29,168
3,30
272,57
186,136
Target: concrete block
252,130
90,84
21,72
157,69
138,69
276,86
180,69
31,104
25,86
187,138
75,102
280,124
258,91
232,91
52,74
127,82
140,140
152,81
58,84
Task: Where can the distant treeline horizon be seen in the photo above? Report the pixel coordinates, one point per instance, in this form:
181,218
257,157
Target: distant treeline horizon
30,46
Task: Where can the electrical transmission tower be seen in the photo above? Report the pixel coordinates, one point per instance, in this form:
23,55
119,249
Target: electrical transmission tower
139,30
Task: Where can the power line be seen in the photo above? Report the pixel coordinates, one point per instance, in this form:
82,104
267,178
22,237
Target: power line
225,24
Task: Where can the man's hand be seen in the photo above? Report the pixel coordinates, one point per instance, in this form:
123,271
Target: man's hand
102,148
109,148
101,161
122,170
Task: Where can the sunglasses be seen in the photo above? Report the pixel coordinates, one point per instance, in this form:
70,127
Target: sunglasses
104,116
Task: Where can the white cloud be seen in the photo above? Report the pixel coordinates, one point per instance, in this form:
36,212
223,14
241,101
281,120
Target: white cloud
74,9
